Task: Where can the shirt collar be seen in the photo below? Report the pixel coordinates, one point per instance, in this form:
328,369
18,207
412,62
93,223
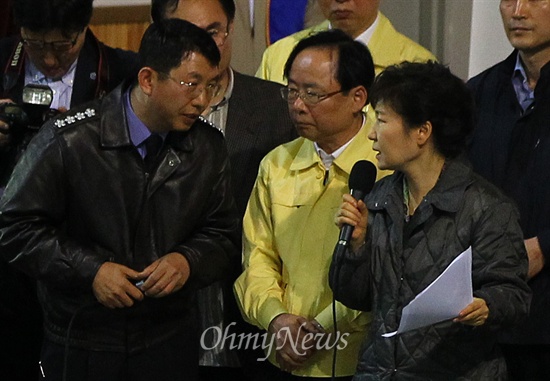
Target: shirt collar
326,158
228,92
138,130
36,76
230,85
524,93
519,70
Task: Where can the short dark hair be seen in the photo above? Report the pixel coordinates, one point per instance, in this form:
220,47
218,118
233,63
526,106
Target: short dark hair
167,42
355,65
160,8
422,92
69,16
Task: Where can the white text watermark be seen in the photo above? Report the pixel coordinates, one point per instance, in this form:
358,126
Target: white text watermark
223,339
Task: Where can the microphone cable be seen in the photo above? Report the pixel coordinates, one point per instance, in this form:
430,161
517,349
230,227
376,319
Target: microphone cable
361,180
336,274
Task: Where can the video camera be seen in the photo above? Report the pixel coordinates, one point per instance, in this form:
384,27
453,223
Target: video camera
32,113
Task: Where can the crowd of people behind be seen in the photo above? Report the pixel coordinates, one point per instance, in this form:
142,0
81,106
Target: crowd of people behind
163,216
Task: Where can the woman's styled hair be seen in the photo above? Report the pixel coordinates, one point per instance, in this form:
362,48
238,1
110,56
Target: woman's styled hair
421,92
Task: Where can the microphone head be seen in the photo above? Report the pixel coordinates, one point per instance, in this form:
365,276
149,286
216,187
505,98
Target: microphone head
362,176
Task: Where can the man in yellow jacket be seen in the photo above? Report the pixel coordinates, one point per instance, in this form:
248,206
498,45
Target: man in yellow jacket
289,235
360,19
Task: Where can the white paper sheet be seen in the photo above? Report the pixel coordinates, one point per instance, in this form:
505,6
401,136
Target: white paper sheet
443,299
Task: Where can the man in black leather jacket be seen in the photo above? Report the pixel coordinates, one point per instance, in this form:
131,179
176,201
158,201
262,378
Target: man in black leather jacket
42,52
121,232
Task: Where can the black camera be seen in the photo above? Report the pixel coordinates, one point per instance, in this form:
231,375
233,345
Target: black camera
32,113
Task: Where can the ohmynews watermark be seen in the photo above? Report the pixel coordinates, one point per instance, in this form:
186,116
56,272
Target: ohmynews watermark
319,341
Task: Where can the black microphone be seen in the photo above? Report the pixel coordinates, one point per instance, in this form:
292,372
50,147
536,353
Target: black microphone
361,181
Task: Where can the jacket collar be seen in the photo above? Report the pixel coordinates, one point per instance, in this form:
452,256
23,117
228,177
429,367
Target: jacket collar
113,128
325,25
505,70
89,66
114,131
507,66
447,194
543,83
308,157
384,33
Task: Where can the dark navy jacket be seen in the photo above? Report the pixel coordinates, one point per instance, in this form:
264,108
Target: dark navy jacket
512,149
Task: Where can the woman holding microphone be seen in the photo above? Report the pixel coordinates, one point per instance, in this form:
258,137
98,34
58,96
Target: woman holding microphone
415,222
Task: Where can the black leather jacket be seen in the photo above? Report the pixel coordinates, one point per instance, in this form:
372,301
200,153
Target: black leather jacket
80,197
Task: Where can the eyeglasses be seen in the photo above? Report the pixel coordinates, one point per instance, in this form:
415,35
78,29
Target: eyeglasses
194,90
308,97
218,36
58,46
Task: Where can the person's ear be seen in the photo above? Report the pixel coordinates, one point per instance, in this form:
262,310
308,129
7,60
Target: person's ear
360,97
84,30
147,79
424,132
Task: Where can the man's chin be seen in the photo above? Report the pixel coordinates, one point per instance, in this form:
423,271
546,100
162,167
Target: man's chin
54,75
182,127
523,43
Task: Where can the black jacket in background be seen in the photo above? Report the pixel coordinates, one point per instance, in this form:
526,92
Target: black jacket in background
257,121
512,149
117,65
99,70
